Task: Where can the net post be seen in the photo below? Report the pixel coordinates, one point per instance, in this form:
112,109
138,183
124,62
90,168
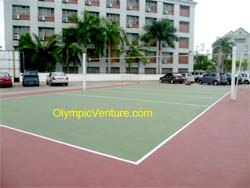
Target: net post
233,93
84,71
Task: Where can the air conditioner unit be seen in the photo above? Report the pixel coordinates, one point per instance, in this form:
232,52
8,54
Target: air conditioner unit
15,36
129,25
88,3
148,9
16,17
129,7
41,18
65,19
65,1
109,5
165,12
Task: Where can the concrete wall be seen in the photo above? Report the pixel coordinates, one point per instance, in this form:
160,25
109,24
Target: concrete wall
106,77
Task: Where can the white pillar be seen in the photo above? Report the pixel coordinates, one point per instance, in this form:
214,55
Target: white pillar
84,71
233,93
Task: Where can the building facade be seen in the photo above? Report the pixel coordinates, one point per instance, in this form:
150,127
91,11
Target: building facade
241,40
47,17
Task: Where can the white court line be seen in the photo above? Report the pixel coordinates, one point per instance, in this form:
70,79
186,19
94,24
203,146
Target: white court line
129,99
118,158
70,145
173,135
164,94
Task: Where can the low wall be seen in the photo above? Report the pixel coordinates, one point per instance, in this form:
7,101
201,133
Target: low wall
106,77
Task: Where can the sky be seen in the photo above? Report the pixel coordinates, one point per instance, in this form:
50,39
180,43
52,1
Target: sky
215,18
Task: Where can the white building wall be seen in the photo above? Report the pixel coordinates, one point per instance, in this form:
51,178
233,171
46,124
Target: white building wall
34,24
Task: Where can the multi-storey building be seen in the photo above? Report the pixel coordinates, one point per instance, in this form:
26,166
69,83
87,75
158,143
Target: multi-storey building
47,17
241,40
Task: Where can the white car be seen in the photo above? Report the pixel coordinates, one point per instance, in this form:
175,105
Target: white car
245,78
188,77
57,78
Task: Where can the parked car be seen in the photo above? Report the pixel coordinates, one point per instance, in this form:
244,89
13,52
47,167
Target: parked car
214,78
30,78
172,78
198,74
229,78
188,77
245,77
57,78
5,80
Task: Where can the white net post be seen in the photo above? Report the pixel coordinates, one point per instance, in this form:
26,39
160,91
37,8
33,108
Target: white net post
84,71
233,93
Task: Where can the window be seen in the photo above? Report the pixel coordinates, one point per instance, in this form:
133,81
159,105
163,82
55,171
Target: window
92,3
183,58
167,58
20,30
132,21
168,8
132,70
183,42
167,70
150,70
184,27
114,18
113,3
151,6
133,38
67,14
44,33
46,14
133,5
183,70
184,11
115,70
21,12
149,21
240,40
71,69
93,70
151,56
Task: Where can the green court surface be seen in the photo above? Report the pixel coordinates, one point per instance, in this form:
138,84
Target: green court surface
173,106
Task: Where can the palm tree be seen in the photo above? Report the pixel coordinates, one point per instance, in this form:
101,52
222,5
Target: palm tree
68,50
115,38
222,49
89,30
135,53
160,31
38,55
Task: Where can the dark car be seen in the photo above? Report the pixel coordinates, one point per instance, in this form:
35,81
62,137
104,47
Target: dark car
172,78
30,78
5,80
214,79
229,78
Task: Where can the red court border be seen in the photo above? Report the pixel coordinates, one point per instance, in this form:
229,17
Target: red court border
212,152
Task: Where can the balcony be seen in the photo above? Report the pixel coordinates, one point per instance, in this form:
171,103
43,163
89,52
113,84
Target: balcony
20,17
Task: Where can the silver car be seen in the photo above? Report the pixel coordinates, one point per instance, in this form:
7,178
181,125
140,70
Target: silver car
54,78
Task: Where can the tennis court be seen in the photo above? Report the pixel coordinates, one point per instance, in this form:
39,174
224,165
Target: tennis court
130,139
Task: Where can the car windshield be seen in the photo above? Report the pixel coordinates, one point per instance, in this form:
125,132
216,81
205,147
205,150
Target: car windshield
30,73
4,74
58,74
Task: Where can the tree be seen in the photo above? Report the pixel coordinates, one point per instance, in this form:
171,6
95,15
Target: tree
222,49
161,31
38,55
115,38
202,62
68,51
135,53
